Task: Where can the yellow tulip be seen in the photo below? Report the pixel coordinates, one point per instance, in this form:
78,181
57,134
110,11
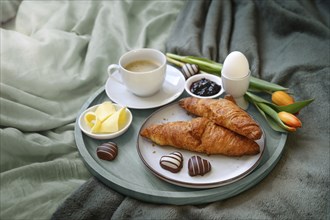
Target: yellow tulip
282,98
289,119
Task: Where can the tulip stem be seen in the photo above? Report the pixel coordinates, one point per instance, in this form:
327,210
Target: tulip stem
176,62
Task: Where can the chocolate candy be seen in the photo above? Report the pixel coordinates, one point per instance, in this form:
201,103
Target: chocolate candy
172,162
107,151
189,70
198,166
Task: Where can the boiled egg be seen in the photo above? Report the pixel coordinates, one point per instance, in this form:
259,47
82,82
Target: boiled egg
235,66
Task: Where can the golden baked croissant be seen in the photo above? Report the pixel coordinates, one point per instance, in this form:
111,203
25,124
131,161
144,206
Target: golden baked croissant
225,113
200,135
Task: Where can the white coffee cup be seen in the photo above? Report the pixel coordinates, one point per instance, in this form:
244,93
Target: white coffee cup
142,71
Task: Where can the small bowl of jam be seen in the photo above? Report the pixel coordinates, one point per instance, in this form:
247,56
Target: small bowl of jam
204,85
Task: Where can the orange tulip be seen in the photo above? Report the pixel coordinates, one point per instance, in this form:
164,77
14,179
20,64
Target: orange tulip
289,119
282,98
291,129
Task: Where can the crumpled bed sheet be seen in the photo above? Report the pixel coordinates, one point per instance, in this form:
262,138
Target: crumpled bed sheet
54,56
52,62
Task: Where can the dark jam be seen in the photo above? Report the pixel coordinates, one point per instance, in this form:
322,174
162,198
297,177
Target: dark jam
205,87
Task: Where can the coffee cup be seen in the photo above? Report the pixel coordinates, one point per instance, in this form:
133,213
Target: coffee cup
142,71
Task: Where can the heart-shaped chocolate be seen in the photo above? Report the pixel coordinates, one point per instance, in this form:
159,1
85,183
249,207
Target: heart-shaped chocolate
198,166
189,70
172,162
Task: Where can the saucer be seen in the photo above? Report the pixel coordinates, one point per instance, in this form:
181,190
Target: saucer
172,89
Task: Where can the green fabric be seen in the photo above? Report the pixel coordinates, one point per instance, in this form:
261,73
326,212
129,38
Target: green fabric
286,42
52,59
8,9
54,55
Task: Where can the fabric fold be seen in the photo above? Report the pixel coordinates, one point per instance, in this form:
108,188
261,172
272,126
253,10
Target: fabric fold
56,57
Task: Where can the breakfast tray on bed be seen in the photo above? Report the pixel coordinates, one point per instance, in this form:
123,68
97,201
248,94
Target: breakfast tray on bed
128,175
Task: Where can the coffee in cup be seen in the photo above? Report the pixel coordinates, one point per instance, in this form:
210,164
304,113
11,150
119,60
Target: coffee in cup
142,71
141,66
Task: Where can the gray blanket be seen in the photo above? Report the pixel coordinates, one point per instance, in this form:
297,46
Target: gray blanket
286,42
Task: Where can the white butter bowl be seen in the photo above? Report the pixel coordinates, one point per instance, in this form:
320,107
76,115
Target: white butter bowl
87,130
200,76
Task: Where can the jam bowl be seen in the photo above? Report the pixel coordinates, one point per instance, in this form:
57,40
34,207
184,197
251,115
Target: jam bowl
204,85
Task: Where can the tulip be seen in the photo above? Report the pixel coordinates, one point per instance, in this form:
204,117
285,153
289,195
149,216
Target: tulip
291,129
289,119
282,98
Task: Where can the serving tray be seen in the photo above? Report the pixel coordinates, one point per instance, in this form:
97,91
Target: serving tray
128,175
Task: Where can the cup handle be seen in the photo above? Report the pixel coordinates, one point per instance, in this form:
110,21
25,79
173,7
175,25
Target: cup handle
111,69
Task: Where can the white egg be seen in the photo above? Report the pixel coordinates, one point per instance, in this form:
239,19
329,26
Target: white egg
235,65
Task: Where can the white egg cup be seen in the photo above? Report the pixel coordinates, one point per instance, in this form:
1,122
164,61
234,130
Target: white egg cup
237,87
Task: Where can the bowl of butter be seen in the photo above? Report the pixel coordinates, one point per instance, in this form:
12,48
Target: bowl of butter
105,121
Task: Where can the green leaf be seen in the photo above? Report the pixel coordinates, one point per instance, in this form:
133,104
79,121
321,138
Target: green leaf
204,64
256,98
271,122
204,60
252,88
272,113
265,85
250,97
175,56
292,108
295,107
176,62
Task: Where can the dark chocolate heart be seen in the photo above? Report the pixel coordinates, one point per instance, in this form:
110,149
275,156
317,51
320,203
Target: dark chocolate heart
198,166
107,151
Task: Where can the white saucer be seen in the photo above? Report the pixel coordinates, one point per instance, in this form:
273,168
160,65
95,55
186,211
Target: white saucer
172,89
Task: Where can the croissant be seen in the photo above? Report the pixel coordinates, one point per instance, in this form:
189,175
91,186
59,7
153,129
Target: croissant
225,113
200,135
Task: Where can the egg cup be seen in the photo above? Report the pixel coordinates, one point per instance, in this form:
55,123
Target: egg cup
237,87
